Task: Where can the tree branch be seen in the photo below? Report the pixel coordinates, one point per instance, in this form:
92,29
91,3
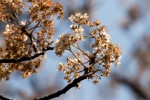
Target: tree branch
25,58
133,86
4,98
64,90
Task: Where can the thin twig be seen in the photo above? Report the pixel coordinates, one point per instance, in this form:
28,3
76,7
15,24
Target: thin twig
77,59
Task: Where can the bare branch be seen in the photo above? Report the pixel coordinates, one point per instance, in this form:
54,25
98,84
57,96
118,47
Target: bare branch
64,90
133,86
4,98
26,58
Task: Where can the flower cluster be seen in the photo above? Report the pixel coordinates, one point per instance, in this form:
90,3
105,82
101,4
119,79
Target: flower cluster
63,43
65,40
9,6
79,18
95,62
24,38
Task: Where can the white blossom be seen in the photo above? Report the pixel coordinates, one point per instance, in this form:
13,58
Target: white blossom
23,23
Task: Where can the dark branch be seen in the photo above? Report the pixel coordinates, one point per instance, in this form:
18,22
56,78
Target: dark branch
25,58
4,98
133,86
64,90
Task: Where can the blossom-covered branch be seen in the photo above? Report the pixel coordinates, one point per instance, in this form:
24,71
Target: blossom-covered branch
25,41
99,58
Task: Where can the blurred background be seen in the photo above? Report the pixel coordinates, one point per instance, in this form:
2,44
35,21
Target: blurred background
128,23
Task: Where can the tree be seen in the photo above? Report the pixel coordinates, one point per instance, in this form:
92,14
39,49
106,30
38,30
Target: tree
27,40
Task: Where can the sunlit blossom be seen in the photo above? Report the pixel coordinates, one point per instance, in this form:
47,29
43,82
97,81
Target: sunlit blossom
95,62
